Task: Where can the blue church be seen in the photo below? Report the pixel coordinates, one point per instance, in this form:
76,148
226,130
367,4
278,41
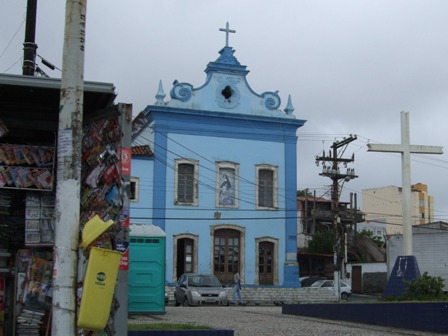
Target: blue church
215,168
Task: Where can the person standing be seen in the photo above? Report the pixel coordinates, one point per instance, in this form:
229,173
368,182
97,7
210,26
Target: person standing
237,288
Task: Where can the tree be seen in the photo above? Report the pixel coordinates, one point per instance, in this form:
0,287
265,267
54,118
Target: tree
322,242
369,234
303,193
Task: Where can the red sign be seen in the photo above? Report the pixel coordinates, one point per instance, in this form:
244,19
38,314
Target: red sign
124,262
125,156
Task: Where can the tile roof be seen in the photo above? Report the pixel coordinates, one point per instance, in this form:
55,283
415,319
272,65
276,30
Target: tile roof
143,150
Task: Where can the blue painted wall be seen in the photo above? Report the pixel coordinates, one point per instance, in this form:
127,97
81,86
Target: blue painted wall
142,210
248,129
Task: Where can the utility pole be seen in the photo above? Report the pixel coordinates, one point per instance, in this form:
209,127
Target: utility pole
330,168
68,187
29,46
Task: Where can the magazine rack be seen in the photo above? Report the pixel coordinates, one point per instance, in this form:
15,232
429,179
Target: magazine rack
27,167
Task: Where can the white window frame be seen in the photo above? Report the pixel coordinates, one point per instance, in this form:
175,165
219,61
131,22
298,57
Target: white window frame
195,163
136,182
235,167
274,170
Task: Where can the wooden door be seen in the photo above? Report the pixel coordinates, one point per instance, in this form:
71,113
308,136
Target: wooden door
357,279
226,255
265,263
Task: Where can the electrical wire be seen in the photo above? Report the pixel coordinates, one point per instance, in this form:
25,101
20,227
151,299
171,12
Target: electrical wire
212,187
200,181
12,38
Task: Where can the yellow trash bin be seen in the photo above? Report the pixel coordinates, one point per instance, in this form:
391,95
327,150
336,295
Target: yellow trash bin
98,288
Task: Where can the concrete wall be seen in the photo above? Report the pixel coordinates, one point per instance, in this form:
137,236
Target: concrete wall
430,249
374,276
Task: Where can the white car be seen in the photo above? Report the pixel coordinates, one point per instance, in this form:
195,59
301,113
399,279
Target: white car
346,290
200,289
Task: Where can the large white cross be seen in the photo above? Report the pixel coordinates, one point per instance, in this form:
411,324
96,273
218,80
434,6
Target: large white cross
405,148
227,30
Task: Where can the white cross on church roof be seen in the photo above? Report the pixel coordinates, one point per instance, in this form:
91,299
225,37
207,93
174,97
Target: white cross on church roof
227,30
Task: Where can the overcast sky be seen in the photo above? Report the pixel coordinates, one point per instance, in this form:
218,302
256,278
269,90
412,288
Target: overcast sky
350,66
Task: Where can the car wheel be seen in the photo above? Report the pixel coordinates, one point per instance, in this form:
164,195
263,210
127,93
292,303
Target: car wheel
186,303
177,304
344,296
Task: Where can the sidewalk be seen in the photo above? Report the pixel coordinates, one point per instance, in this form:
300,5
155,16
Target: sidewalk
265,321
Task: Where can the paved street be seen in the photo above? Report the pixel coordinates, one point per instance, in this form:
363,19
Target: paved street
265,321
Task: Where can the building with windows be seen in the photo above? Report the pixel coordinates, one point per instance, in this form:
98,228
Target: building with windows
215,168
385,205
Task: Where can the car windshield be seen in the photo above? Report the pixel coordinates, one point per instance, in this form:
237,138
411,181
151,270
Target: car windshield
318,283
203,281
327,283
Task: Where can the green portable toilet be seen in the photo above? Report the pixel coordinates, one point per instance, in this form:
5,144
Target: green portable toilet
146,282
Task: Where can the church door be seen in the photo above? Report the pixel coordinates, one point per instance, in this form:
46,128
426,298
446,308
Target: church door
265,263
185,257
226,256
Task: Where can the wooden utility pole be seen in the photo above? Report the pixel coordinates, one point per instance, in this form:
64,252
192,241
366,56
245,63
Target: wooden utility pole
405,148
330,168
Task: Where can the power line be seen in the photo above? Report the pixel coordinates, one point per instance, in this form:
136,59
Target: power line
212,185
200,181
19,60
10,41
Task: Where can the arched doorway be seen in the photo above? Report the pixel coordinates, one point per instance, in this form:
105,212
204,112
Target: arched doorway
226,254
185,252
267,261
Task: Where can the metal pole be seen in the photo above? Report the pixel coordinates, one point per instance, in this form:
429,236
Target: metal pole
29,45
69,171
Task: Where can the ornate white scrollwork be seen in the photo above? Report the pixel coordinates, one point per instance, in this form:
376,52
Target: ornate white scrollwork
271,100
181,91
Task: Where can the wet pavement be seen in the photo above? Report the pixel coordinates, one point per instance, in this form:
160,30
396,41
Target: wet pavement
266,321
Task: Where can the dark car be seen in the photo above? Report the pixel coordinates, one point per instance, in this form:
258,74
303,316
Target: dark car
199,289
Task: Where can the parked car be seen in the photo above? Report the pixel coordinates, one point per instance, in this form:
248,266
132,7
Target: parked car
307,281
346,290
167,299
199,289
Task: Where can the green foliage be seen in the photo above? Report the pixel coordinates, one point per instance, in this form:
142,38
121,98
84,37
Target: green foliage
303,193
322,242
425,288
369,234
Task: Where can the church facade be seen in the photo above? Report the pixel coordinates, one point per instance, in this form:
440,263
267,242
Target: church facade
220,177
